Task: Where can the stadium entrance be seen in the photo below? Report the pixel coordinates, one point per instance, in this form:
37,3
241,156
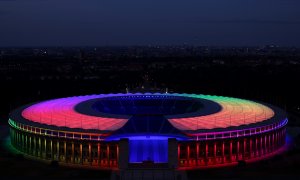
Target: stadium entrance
148,149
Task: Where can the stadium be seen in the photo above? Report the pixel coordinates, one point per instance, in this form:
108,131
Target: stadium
148,130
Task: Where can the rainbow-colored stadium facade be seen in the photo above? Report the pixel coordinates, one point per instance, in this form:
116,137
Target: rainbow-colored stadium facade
149,130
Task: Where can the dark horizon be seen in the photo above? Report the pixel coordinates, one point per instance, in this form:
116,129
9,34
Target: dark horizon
150,45
66,23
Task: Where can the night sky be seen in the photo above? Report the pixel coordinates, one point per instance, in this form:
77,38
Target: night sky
149,22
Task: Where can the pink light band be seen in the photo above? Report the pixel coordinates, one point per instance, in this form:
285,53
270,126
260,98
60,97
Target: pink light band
61,113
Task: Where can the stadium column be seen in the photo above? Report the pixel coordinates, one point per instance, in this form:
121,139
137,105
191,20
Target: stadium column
250,148
267,143
117,154
98,152
265,139
197,153
188,154
276,140
230,150
27,143
90,154
237,149
23,141
178,154
51,149
279,138
45,148
57,150
282,132
17,138
12,137
261,145
206,153
34,146
40,147
30,145
20,140
244,148
80,153
284,140
215,152
256,146
65,151
269,146
223,151
273,141
73,153
107,155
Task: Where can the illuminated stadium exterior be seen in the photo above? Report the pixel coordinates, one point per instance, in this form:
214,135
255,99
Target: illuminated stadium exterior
150,130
